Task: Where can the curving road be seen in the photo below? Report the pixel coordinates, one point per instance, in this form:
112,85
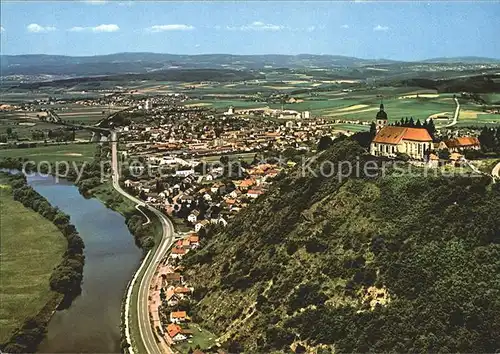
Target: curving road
145,329
455,116
496,172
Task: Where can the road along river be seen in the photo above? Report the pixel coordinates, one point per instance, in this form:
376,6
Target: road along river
92,323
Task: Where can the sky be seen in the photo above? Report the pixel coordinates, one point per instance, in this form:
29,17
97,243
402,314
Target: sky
410,30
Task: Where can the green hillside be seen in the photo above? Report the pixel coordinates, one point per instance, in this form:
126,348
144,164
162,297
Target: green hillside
396,263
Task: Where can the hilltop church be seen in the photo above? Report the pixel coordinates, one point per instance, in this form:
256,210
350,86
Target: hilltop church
391,140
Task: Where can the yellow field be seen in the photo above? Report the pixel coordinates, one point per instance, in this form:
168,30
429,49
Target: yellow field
336,113
295,82
203,104
352,108
420,95
469,114
278,87
435,115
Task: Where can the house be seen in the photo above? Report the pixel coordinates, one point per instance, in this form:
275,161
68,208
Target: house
193,217
194,241
178,253
460,144
173,278
218,187
254,193
202,224
175,332
178,316
235,194
182,292
246,183
184,173
433,160
171,297
455,157
391,140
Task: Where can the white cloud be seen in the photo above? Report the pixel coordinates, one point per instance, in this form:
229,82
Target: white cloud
380,28
77,29
95,2
2,29
100,28
36,28
257,26
173,27
106,28
344,26
310,28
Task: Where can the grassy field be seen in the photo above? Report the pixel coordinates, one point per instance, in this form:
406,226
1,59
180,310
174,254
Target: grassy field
85,114
52,153
31,247
201,337
111,198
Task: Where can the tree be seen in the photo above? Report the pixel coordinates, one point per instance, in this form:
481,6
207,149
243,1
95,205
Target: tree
373,129
418,124
431,128
324,143
9,131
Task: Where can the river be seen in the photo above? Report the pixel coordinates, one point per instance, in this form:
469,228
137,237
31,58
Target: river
92,323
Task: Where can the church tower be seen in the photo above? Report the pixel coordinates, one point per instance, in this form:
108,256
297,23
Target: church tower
381,117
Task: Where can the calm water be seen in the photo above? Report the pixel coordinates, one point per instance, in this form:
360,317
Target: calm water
92,323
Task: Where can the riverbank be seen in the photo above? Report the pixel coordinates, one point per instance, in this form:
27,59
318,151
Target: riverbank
41,265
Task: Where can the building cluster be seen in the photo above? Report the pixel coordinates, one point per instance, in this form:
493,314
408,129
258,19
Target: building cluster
203,197
169,293
268,112
416,143
193,132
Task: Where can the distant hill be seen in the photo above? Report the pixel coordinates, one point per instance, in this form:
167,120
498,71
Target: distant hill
465,60
122,63
396,263
477,84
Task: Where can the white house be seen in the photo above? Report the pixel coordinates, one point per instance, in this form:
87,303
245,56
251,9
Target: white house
202,224
193,217
184,173
178,316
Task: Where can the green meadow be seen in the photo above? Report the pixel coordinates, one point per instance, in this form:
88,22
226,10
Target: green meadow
53,153
31,247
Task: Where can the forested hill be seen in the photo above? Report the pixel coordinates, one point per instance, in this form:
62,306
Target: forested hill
394,263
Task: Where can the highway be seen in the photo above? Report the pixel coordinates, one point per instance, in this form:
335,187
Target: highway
150,261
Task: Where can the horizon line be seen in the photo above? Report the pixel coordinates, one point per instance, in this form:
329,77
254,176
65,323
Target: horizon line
267,54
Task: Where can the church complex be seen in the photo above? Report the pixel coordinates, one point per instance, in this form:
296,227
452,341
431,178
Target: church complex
391,140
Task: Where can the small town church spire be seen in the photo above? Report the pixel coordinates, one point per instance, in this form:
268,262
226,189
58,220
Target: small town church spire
381,117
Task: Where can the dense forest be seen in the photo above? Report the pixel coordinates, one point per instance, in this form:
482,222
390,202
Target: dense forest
66,278
398,262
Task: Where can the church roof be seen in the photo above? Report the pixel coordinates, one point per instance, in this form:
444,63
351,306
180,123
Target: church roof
394,135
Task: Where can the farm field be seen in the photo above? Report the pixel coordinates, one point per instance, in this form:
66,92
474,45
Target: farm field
53,153
24,125
361,104
31,247
85,114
